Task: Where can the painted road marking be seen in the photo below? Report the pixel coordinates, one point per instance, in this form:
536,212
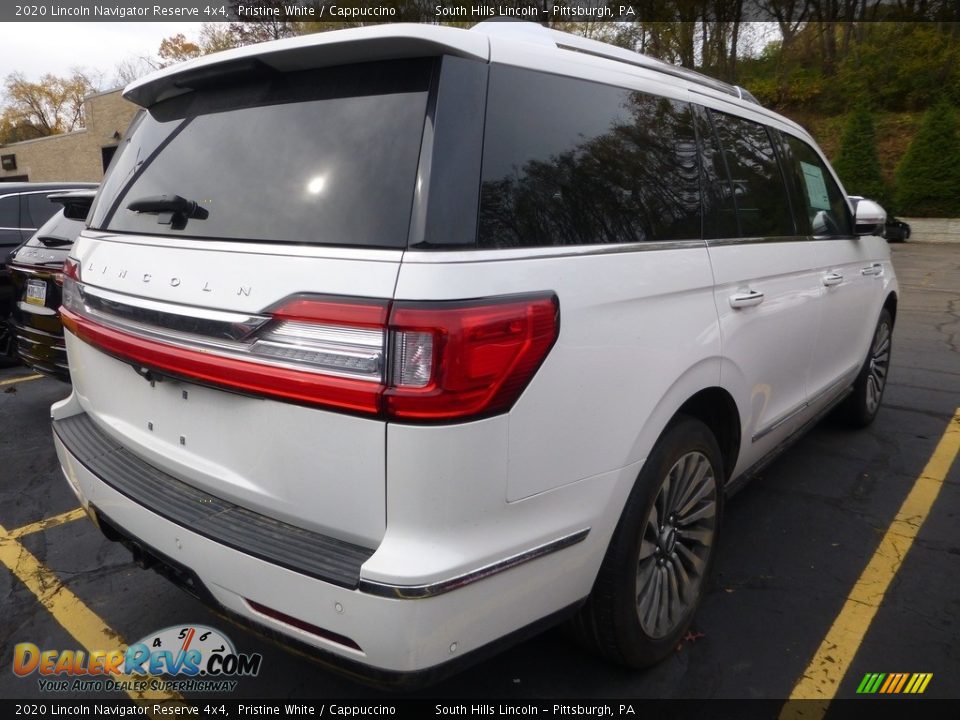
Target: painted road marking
821,680
24,378
81,622
50,522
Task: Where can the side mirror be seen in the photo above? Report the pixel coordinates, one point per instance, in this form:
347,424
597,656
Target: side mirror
870,217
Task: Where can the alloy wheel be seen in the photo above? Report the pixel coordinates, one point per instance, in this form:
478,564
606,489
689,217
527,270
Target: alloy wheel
878,366
676,544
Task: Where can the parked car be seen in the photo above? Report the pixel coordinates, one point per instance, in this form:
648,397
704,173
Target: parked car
473,336
896,230
23,208
36,269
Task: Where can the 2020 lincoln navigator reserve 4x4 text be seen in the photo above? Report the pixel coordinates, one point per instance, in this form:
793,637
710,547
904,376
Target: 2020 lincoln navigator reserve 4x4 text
397,341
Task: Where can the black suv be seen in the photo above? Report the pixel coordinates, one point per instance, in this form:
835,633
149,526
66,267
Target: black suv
24,207
36,270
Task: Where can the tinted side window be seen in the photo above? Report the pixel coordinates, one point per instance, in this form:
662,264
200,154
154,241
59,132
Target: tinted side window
759,192
10,212
570,162
825,204
36,209
719,210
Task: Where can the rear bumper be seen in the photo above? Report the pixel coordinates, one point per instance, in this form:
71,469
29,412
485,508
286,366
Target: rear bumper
239,564
308,553
359,671
42,351
40,341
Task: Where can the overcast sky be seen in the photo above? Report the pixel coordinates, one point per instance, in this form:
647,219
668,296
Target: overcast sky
38,48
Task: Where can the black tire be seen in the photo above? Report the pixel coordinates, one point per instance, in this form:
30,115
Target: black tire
610,621
8,344
863,404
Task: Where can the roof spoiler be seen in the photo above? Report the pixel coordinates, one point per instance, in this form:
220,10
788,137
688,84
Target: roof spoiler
76,203
326,49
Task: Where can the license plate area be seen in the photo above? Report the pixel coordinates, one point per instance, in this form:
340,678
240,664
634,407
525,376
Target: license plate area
36,292
277,459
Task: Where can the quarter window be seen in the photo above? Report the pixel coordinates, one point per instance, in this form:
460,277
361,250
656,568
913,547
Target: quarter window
37,209
10,212
571,162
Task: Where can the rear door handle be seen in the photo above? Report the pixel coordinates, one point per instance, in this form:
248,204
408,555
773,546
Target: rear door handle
748,298
875,269
831,279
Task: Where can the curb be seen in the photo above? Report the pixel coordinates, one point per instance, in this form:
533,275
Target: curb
941,231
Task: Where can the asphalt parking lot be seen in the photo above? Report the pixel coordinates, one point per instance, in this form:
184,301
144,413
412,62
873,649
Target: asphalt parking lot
817,527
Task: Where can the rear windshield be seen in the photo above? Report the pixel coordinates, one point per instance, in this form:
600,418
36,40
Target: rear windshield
319,157
56,232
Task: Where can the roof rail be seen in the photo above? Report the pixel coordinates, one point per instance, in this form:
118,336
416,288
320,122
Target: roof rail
516,29
540,34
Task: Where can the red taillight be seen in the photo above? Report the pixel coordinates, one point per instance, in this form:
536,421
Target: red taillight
239,374
413,362
69,280
71,269
482,355
352,312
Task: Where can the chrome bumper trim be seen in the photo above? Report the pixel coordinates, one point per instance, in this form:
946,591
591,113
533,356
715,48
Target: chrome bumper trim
418,592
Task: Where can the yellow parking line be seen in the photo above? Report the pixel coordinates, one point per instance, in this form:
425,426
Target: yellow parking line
822,678
81,622
24,378
50,522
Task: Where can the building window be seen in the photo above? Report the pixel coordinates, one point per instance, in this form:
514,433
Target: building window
107,153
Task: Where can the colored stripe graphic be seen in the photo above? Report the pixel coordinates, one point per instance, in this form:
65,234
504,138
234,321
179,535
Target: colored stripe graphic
894,683
891,678
903,680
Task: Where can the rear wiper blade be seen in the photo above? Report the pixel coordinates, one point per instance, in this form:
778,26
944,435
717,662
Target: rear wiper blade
171,210
54,241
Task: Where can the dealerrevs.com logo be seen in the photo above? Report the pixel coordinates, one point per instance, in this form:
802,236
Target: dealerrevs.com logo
199,657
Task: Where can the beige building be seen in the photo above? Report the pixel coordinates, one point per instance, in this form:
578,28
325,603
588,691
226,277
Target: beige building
79,155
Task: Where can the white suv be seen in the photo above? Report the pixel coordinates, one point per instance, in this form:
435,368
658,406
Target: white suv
401,340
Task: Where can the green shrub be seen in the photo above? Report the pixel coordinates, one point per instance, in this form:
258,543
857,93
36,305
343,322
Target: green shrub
928,177
857,162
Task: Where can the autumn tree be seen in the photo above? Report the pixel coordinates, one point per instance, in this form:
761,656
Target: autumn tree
50,106
132,68
177,48
213,37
